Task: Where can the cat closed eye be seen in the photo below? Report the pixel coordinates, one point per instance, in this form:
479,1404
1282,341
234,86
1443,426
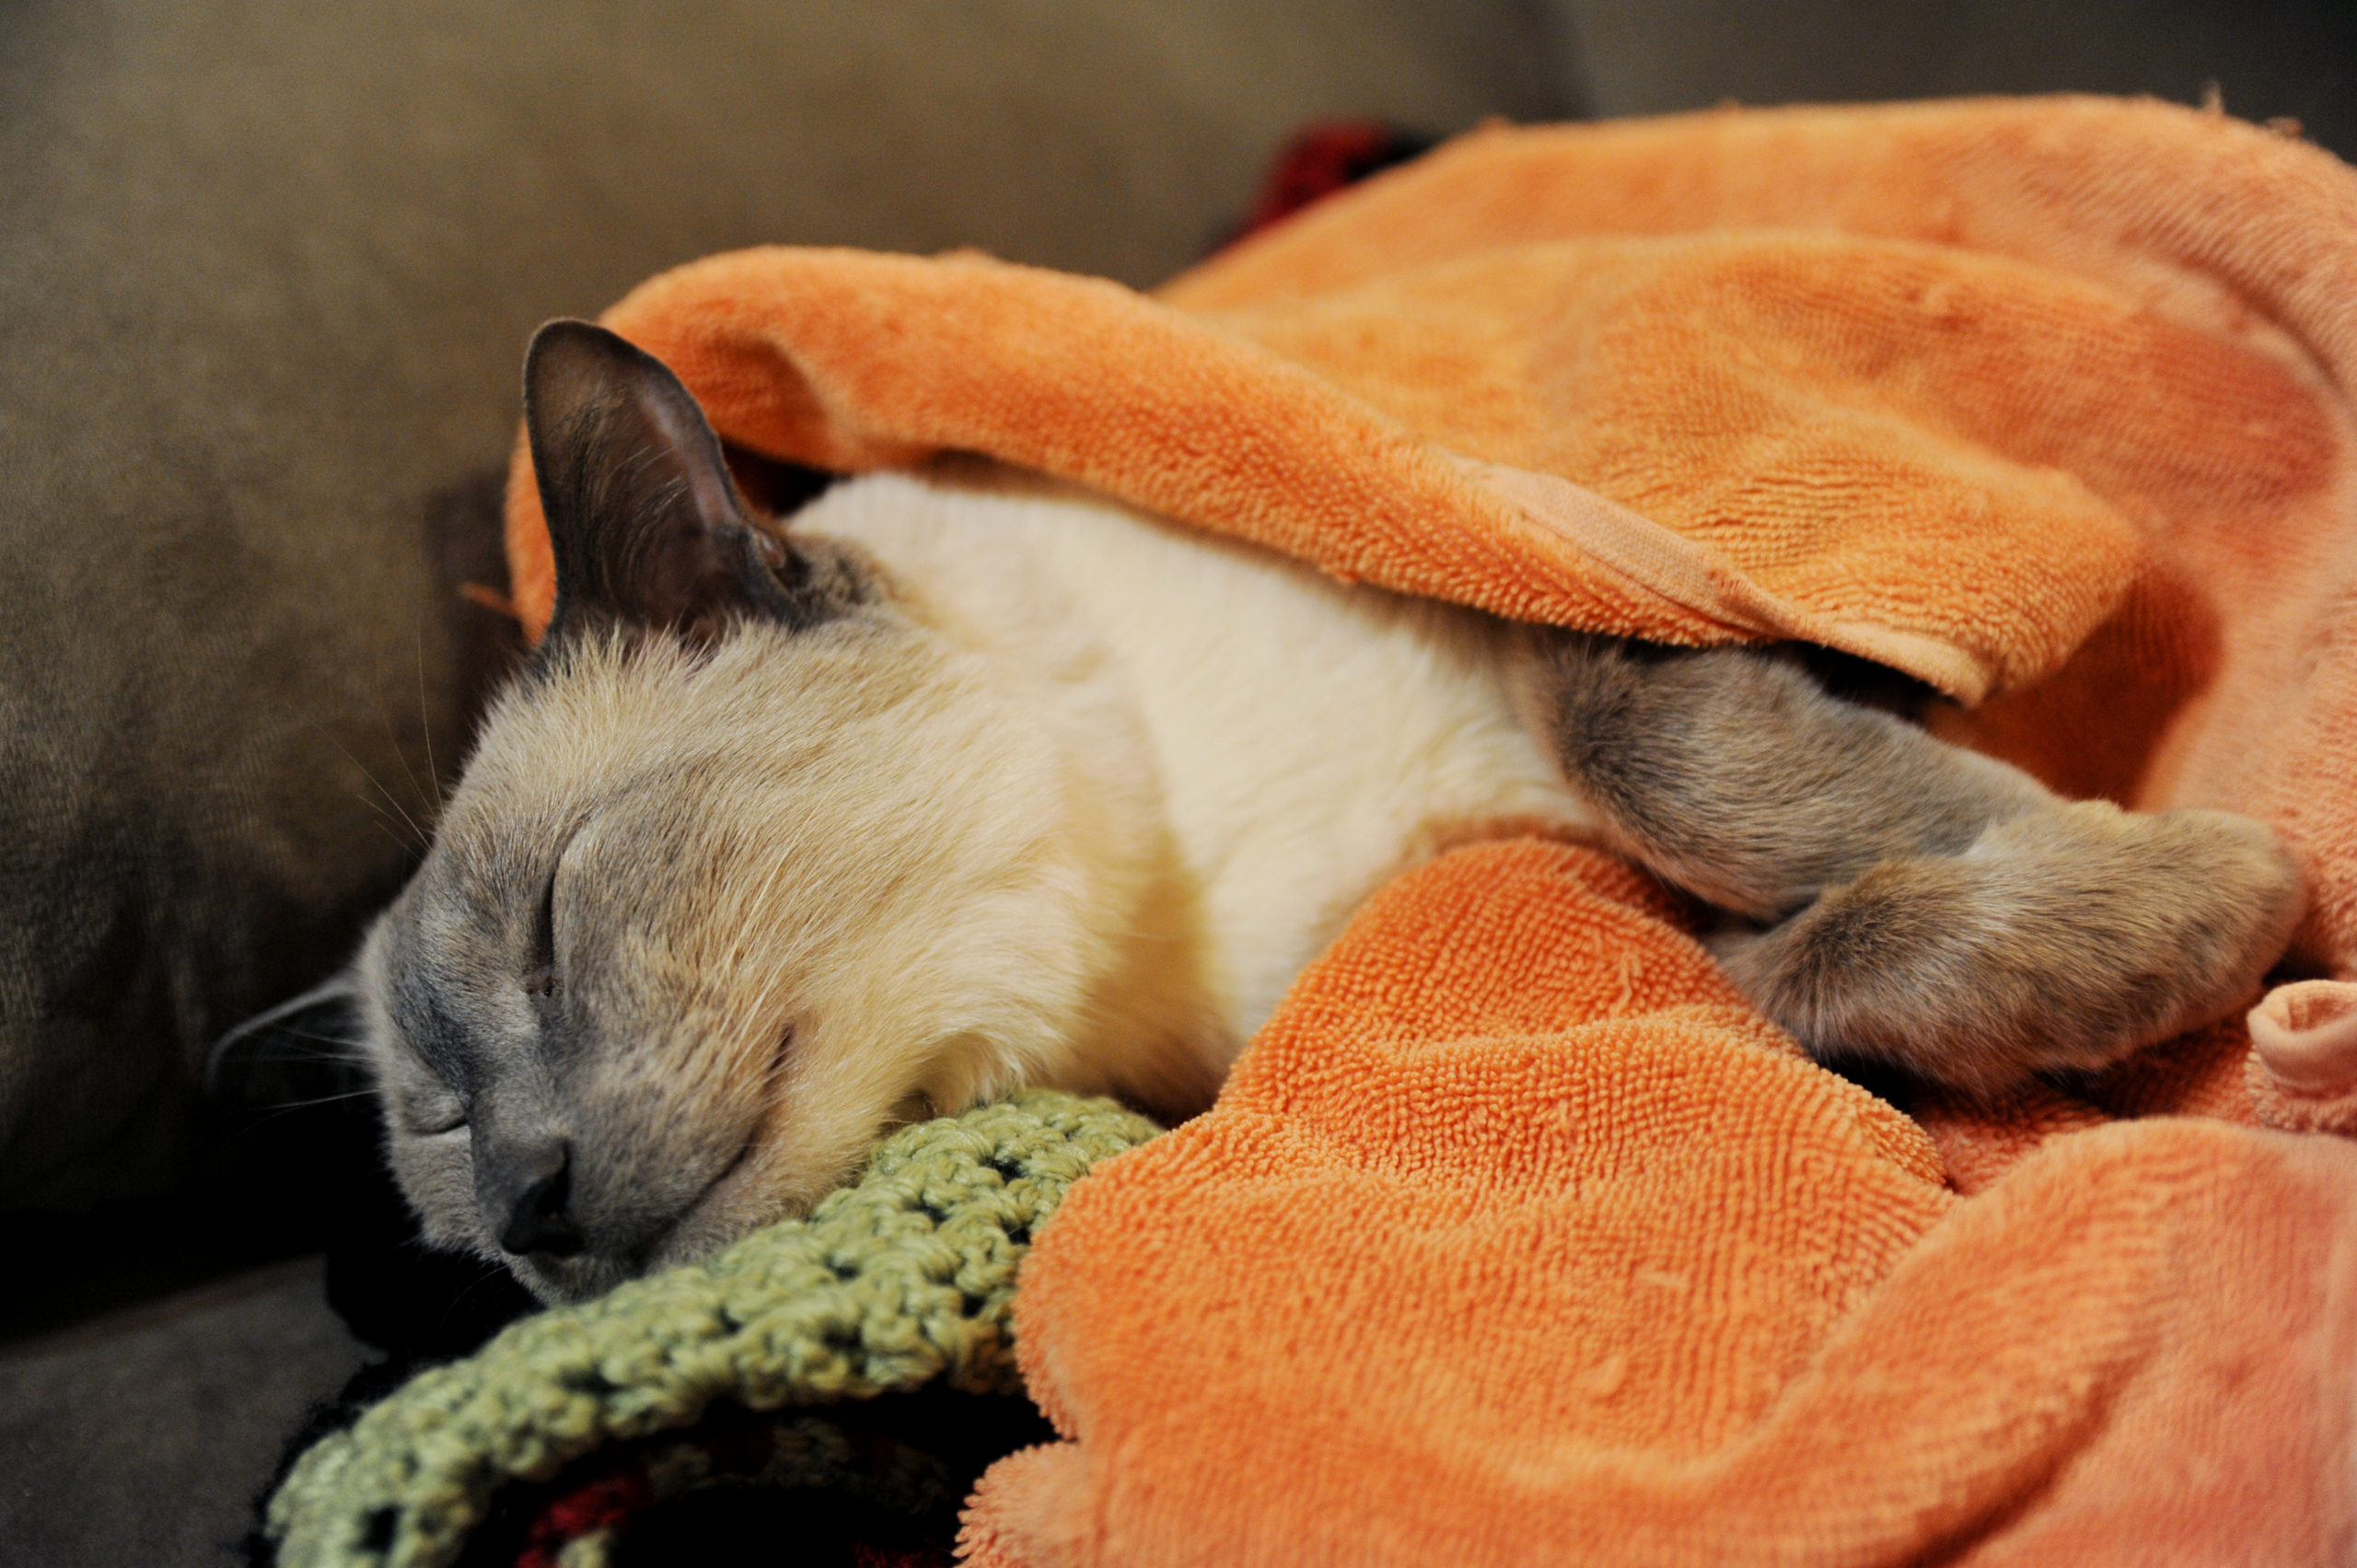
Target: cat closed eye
540,978
432,1116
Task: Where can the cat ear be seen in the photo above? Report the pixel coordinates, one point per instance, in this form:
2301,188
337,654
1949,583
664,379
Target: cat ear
644,522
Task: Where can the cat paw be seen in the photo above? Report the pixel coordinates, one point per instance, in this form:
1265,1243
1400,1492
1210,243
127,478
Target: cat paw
2063,939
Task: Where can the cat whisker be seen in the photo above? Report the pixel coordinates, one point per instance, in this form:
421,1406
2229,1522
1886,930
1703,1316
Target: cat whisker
322,1100
421,839
426,723
401,755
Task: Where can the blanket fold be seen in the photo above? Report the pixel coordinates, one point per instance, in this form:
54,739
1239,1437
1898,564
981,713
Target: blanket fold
1758,406
1511,1241
1354,460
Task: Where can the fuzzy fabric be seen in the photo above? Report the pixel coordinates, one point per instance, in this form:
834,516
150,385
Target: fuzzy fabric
1516,1238
900,1281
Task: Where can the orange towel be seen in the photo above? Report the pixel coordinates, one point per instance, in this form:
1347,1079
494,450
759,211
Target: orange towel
1513,1232
1516,1239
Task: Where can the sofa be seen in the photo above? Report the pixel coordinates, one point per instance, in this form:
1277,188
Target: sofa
265,275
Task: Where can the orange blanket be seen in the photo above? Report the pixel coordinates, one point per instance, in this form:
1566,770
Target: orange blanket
1514,1237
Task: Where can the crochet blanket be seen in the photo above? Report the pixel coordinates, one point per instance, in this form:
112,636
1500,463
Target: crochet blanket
900,1281
1516,1238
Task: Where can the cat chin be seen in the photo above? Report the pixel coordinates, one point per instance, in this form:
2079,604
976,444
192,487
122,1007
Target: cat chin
745,1198
560,1281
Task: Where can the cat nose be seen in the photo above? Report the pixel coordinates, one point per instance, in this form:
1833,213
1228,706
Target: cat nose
540,1220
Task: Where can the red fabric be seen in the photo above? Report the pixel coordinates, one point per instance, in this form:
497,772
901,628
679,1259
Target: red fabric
1325,156
605,1503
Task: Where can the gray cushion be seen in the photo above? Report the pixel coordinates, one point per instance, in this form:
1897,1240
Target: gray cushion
265,274
2267,58
141,1439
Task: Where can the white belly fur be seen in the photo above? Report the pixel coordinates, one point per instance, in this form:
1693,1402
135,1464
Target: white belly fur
1310,739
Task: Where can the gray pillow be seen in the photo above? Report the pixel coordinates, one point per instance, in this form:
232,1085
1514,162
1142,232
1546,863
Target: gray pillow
266,271
2266,58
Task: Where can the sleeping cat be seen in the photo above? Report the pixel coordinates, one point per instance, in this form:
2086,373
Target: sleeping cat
968,780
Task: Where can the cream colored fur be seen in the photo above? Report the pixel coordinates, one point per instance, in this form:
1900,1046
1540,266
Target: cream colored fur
1080,828
1304,739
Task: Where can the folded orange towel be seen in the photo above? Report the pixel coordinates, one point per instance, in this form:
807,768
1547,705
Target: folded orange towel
1515,1237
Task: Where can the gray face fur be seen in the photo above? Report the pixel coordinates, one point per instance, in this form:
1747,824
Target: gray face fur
586,983
613,1030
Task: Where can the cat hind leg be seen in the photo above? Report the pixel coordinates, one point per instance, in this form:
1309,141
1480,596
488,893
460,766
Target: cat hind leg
1925,906
2062,940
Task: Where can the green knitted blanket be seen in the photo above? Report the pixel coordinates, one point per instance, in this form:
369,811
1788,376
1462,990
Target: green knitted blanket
905,1278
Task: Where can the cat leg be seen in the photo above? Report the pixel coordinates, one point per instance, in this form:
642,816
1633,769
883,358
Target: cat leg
1929,907
1733,774
2067,939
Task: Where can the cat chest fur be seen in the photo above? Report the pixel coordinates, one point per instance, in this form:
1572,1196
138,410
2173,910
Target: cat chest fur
1301,740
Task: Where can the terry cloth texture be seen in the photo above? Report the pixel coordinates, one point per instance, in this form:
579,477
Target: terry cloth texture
1516,1238
902,1280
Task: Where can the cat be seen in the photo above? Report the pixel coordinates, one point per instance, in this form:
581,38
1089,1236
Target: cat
967,780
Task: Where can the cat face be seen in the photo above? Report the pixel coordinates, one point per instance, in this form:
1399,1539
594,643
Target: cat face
749,864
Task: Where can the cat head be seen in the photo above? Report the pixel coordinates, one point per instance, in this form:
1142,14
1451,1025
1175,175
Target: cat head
751,861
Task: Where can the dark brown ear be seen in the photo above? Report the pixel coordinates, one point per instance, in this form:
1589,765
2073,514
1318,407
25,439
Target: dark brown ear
646,524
